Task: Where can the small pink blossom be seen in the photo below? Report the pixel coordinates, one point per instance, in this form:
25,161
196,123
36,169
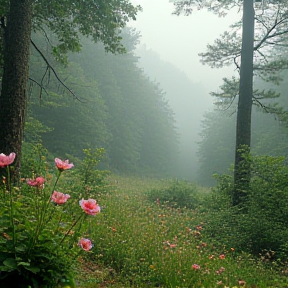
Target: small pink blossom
222,256
59,198
85,244
242,283
195,266
172,245
63,165
90,206
38,182
6,160
220,271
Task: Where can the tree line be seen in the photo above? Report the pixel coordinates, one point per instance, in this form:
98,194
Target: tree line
118,108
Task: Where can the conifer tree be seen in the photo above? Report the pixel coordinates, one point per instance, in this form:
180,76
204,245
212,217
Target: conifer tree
251,56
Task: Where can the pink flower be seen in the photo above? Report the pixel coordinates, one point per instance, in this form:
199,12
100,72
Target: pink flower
90,206
195,266
63,165
222,256
38,182
85,244
242,282
6,160
221,270
59,198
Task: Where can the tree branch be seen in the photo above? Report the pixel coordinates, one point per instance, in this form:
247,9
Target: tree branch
54,72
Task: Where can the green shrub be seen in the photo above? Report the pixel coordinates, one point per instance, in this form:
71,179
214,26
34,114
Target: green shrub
261,224
178,194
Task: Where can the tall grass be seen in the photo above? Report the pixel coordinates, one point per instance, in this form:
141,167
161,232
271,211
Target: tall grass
151,244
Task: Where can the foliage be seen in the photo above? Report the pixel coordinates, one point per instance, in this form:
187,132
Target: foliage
69,20
261,223
216,149
146,244
90,178
120,109
179,194
39,230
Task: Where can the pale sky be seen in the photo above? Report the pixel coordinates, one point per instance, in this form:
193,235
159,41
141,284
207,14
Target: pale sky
179,39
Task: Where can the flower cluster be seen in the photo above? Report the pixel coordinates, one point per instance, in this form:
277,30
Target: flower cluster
37,182
89,206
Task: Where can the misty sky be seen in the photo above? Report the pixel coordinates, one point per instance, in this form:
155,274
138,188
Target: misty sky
179,39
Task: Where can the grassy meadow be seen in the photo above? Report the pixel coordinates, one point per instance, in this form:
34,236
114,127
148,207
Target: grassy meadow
142,239
149,233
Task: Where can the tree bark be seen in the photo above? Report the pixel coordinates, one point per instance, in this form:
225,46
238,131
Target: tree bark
243,129
17,33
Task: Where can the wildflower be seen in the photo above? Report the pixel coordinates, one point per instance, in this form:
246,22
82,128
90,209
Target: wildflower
6,160
195,266
90,206
199,227
242,283
85,244
211,257
222,256
232,249
59,198
63,165
113,229
172,245
220,270
38,182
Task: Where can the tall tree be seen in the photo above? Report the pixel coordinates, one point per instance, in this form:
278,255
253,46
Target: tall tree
102,20
271,26
16,62
243,126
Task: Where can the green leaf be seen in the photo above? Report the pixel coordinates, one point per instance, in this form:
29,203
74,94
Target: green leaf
10,262
26,264
5,268
20,248
32,269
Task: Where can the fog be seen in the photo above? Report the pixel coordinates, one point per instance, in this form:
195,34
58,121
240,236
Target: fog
177,40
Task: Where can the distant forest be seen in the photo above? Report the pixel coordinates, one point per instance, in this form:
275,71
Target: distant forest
147,114
113,105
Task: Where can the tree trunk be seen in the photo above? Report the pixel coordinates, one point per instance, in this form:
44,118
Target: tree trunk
17,34
243,129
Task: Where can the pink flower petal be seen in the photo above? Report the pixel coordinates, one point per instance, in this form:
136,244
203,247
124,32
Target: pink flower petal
63,165
90,206
85,244
59,198
6,160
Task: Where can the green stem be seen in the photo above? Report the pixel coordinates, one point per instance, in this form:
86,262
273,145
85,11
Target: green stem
72,226
42,221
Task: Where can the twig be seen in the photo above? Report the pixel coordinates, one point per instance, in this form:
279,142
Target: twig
54,72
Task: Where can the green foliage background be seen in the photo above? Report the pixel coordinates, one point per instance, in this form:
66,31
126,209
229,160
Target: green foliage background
118,109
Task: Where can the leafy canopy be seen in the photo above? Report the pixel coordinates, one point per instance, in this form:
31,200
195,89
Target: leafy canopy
68,19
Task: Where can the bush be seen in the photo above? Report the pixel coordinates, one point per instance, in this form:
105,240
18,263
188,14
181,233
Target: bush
178,194
41,229
261,223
